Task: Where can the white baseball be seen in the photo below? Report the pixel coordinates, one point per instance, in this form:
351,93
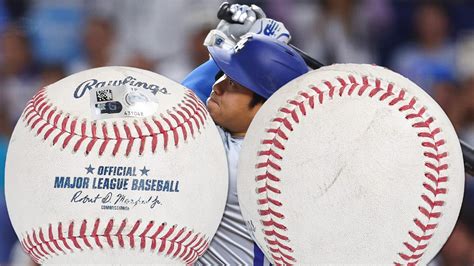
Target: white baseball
115,165
351,164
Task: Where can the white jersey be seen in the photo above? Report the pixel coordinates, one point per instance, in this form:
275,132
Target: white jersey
232,244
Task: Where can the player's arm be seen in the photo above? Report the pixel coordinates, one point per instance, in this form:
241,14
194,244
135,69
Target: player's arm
240,20
200,80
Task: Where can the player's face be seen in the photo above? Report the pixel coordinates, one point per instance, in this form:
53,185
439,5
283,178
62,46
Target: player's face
229,106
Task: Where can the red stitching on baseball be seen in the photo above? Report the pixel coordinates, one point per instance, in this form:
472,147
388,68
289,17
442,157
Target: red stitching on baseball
429,214
26,244
42,116
419,238
268,188
267,175
285,122
51,129
435,191
274,142
29,110
269,200
270,211
267,164
185,119
270,152
412,248
93,140
82,137
163,132
61,237
272,222
41,235
184,245
50,235
72,237
173,130
196,111
141,137
129,138
130,235
424,227
178,121
200,109
299,104
41,250
279,132
291,112
41,105
330,87
41,128
36,122
319,92
436,180
425,123
343,84
364,87
175,239
63,129
82,234
408,106
281,260
95,235
267,183
277,243
400,97
44,111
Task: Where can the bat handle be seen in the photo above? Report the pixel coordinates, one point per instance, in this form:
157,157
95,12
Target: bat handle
311,62
468,156
224,13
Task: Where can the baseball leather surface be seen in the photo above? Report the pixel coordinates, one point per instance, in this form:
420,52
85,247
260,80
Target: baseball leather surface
351,164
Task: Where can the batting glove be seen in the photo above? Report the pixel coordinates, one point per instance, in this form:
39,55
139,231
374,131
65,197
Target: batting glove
240,20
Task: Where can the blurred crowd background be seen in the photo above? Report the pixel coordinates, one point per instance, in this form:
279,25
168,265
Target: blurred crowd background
430,42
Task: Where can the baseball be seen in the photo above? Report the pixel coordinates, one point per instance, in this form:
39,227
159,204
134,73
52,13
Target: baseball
351,164
115,165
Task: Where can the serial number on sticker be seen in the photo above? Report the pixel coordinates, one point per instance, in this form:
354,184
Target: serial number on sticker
133,113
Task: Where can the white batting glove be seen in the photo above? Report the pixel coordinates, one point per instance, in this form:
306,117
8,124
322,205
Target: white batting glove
242,13
272,28
242,17
245,20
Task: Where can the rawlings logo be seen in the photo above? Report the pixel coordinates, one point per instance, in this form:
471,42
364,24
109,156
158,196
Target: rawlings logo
94,83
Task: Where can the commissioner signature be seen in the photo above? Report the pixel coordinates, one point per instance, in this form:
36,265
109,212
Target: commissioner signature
119,199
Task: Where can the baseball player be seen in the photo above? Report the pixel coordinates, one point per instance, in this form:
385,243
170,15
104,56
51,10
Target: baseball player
248,73
246,19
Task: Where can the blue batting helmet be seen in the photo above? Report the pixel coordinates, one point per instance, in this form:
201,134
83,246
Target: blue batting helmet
259,63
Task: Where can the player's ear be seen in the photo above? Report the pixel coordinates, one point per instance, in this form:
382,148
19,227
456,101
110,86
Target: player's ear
256,100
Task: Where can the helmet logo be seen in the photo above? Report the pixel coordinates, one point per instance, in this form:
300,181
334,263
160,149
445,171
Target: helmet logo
241,43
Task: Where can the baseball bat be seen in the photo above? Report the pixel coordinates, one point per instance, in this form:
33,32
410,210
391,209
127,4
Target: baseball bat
468,156
467,151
